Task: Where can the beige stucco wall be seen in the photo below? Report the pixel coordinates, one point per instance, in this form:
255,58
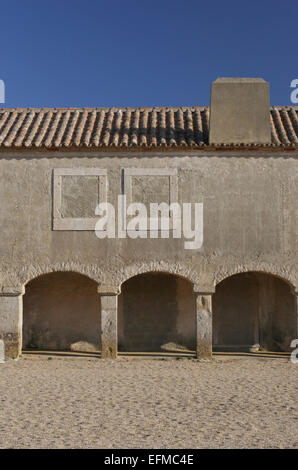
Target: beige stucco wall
250,224
250,218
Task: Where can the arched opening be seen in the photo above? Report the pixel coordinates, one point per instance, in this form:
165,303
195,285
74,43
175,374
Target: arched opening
156,313
61,311
253,311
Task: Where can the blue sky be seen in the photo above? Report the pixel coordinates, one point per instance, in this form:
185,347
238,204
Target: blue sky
142,53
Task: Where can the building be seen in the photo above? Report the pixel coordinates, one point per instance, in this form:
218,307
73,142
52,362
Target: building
64,287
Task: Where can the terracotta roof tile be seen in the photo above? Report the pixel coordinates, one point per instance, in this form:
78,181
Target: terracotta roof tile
186,127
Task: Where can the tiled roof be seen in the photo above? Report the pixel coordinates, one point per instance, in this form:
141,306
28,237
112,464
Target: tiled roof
103,128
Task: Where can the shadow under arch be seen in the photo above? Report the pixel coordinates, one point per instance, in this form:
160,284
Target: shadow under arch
270,270
254,310
61,311
156,312
31,272
176,269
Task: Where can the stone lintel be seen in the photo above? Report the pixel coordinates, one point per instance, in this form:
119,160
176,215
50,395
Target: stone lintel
203,290
12,290
108,290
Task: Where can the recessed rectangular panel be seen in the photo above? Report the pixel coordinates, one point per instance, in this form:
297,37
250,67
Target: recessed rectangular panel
150,189
79,196
151,185
77,192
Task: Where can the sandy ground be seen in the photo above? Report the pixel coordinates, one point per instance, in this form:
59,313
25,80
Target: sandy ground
134,403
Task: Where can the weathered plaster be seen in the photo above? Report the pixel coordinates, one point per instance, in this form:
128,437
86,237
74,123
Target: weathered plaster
250,218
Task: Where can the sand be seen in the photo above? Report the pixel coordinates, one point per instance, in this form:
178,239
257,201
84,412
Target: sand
146,403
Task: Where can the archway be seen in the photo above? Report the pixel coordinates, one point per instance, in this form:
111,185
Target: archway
61,311
156,313
252,311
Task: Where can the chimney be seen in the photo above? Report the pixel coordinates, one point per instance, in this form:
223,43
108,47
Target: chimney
240,111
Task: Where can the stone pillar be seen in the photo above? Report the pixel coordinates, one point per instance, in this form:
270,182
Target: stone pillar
109,314
11,320
204,321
